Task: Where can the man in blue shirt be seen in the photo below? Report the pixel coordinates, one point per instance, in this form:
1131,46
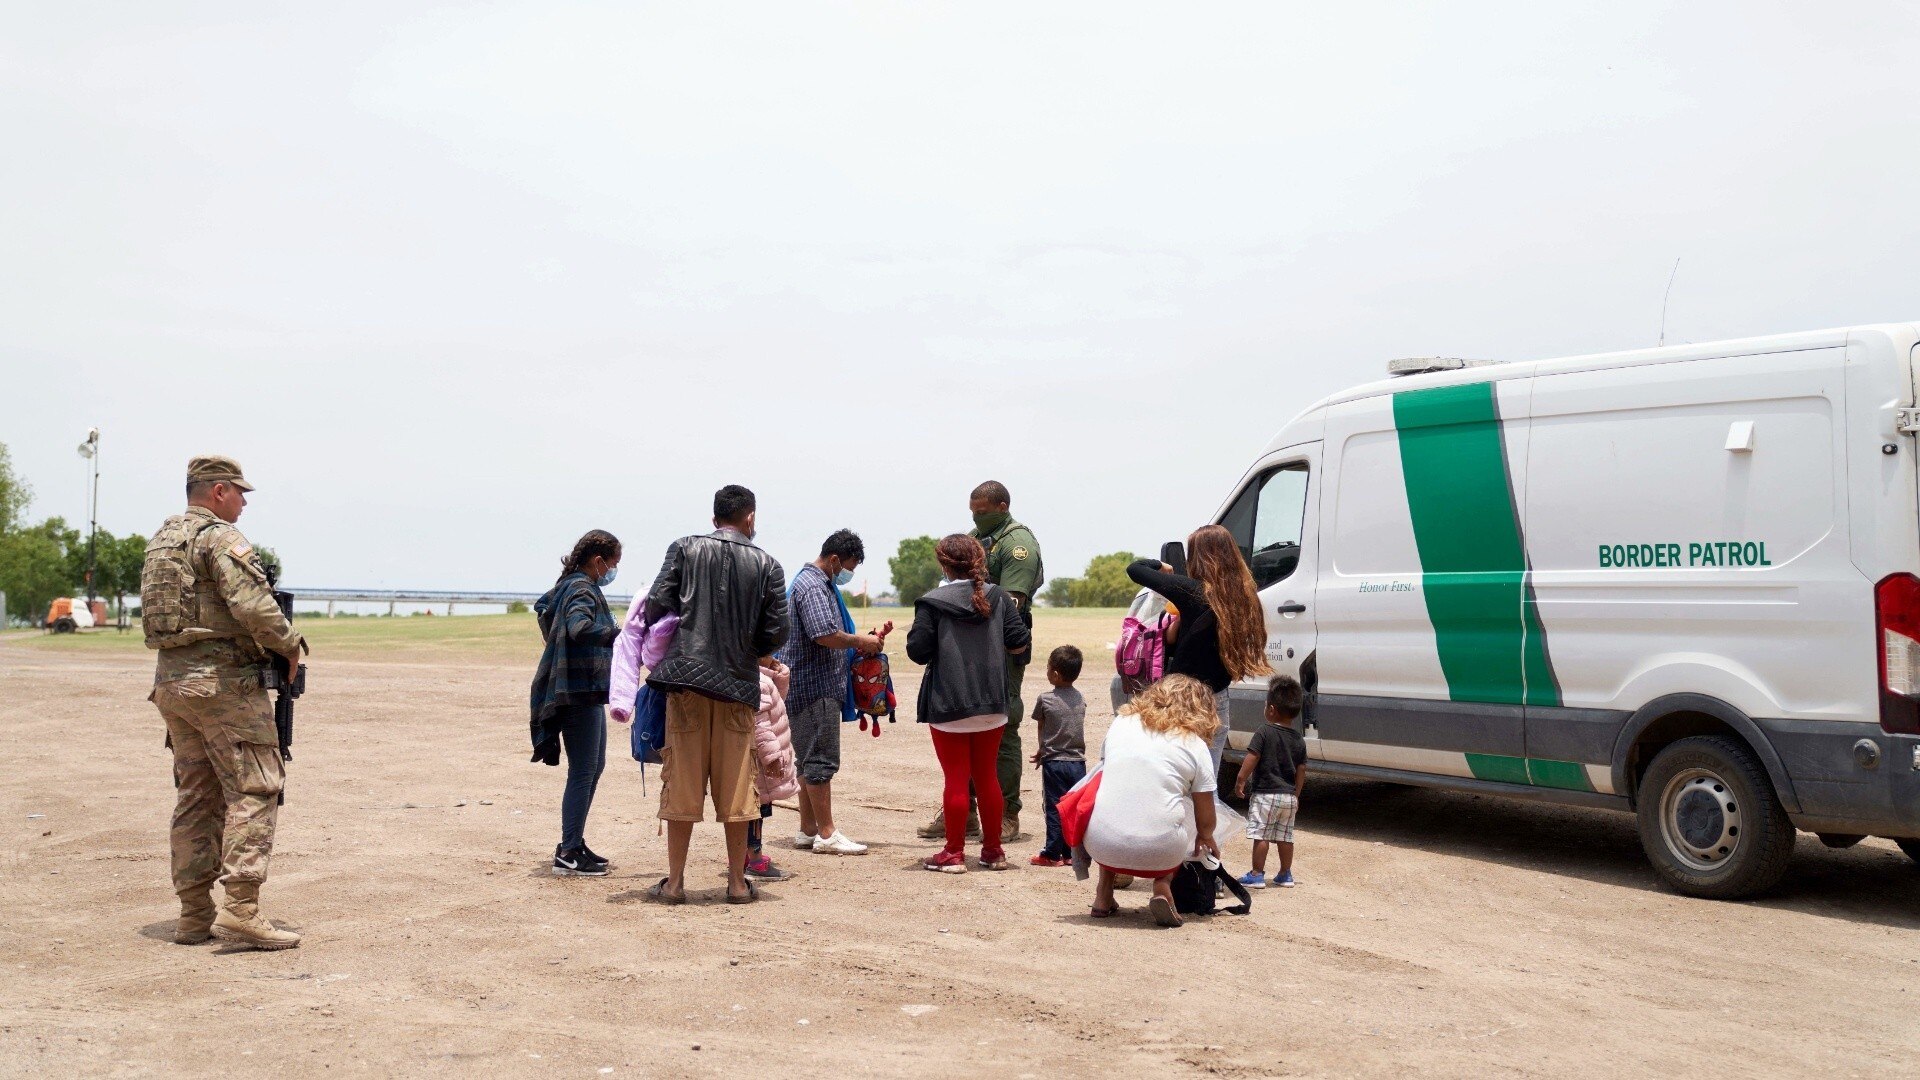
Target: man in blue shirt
818,654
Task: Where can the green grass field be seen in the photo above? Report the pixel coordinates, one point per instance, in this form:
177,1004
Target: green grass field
516,638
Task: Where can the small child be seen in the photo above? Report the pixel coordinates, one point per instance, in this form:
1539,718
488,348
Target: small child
1275,768
775,776
1062,757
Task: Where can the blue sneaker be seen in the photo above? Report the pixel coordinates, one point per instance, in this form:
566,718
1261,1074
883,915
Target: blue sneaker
1285,880
1254,879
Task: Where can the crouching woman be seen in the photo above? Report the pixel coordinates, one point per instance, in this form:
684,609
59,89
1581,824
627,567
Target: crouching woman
1155,803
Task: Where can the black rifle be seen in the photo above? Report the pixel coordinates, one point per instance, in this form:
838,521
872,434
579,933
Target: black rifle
286,684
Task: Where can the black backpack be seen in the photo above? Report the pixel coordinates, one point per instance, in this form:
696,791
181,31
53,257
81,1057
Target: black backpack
1193,890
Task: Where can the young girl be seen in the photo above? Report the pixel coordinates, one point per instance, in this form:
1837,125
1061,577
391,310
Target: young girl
963,631
570,689
1155,805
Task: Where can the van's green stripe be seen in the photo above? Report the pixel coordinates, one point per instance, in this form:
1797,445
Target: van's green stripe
1467,529
1570,775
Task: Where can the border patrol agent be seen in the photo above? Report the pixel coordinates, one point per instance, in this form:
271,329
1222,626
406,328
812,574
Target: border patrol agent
1013,563
206,606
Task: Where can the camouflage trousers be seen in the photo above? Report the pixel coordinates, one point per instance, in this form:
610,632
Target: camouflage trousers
227,769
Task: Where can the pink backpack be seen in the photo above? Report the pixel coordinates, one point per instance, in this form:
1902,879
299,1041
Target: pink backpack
1141,655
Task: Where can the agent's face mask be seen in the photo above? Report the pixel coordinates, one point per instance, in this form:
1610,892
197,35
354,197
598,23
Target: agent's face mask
606,579
990,521
843,578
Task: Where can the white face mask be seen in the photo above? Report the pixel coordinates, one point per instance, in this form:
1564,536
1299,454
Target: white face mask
606,579
844,577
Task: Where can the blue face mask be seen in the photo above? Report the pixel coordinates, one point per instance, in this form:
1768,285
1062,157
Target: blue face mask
606,579
843,577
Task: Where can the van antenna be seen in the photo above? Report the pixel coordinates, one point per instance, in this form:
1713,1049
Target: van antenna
1663,300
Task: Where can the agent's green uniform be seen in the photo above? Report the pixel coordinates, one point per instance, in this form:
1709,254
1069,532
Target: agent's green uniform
1013,563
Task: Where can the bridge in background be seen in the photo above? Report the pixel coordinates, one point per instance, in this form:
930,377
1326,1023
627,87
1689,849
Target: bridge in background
429,597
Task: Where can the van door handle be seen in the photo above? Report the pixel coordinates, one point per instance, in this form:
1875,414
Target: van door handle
1290,608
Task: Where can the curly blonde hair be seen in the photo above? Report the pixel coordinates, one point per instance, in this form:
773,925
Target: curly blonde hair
1177,704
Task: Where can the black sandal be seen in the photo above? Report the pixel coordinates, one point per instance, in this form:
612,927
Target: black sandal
752,894
1163,912
660,894
1104,913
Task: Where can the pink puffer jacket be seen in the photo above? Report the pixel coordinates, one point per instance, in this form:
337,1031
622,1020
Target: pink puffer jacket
772,739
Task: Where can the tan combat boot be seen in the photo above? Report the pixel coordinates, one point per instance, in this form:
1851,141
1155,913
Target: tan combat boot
240,920
1009,827
196,919
937,828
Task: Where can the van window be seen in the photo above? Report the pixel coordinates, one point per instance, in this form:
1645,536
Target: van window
1266,519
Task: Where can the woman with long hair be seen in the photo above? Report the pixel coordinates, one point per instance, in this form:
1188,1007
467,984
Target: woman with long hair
963,631
1155,804
570,689
1222,634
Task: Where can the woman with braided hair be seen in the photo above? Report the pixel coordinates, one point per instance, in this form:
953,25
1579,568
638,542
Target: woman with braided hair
963,631
570,689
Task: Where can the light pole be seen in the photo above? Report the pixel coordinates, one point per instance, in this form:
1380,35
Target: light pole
91,451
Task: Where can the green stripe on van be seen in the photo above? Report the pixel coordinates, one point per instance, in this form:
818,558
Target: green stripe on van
1473,564
1512,770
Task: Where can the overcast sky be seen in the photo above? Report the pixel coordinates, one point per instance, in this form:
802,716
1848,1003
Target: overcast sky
456,284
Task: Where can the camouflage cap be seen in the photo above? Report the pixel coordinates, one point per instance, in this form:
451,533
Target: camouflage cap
213,469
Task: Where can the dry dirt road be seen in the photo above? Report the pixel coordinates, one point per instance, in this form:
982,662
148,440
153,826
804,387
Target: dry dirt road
1436,933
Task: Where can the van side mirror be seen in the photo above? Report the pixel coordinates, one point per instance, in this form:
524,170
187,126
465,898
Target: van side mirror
1174,554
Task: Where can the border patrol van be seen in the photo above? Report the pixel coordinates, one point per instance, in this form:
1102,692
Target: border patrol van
1679,582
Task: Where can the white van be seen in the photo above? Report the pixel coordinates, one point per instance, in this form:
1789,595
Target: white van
1680,582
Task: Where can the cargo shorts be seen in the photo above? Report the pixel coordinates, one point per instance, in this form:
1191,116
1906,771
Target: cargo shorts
709,747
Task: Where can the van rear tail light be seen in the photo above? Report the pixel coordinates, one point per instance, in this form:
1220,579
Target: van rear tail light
1896,606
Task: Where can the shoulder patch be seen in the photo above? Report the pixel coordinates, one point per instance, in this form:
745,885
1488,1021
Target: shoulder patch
241,550
1019,553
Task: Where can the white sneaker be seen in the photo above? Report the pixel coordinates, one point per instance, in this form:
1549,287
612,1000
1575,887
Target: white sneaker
804,841
837,844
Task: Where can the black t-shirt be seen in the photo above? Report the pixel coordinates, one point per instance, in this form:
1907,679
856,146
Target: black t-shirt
1282,751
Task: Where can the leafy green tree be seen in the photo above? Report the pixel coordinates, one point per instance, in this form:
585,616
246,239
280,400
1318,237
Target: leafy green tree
121,559
914,569
1105,584
33,570
14,494
270,559
1059,592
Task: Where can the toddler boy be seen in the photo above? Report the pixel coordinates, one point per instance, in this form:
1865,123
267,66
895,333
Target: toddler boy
1275,768
1062,757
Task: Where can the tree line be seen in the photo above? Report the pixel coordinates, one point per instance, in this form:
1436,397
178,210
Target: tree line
1103,584
48,559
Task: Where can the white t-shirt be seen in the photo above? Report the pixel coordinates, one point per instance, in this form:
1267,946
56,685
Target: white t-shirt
1143,815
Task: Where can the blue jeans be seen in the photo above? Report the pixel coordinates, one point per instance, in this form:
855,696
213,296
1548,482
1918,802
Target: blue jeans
583,735
1056,779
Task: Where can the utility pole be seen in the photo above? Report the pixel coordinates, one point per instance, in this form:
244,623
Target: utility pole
91,451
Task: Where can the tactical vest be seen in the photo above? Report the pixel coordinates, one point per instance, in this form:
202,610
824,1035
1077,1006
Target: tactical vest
174,611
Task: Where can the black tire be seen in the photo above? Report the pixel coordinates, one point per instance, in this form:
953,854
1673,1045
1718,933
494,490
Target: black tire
1710,822
1911,847
63,626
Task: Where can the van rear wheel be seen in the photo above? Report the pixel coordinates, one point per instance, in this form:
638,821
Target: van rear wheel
1710,822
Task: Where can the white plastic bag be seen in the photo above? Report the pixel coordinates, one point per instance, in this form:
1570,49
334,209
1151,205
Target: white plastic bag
1228,825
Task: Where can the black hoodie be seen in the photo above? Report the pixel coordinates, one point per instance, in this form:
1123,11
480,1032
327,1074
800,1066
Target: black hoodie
965,653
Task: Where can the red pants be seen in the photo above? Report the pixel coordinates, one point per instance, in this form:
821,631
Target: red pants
970,759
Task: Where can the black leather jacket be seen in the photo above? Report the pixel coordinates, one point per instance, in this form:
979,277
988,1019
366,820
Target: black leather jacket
732,601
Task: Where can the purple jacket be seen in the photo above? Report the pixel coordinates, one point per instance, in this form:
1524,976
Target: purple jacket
638,646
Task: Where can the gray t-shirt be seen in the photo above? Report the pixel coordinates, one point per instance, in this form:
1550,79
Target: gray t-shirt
1062,714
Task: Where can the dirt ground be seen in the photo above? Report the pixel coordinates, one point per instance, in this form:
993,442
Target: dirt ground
1445,934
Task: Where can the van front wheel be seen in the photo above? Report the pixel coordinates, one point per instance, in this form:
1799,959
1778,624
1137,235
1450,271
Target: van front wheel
1710,822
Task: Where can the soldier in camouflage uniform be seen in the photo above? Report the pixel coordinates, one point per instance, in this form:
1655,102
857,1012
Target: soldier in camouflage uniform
1013,563
206,606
